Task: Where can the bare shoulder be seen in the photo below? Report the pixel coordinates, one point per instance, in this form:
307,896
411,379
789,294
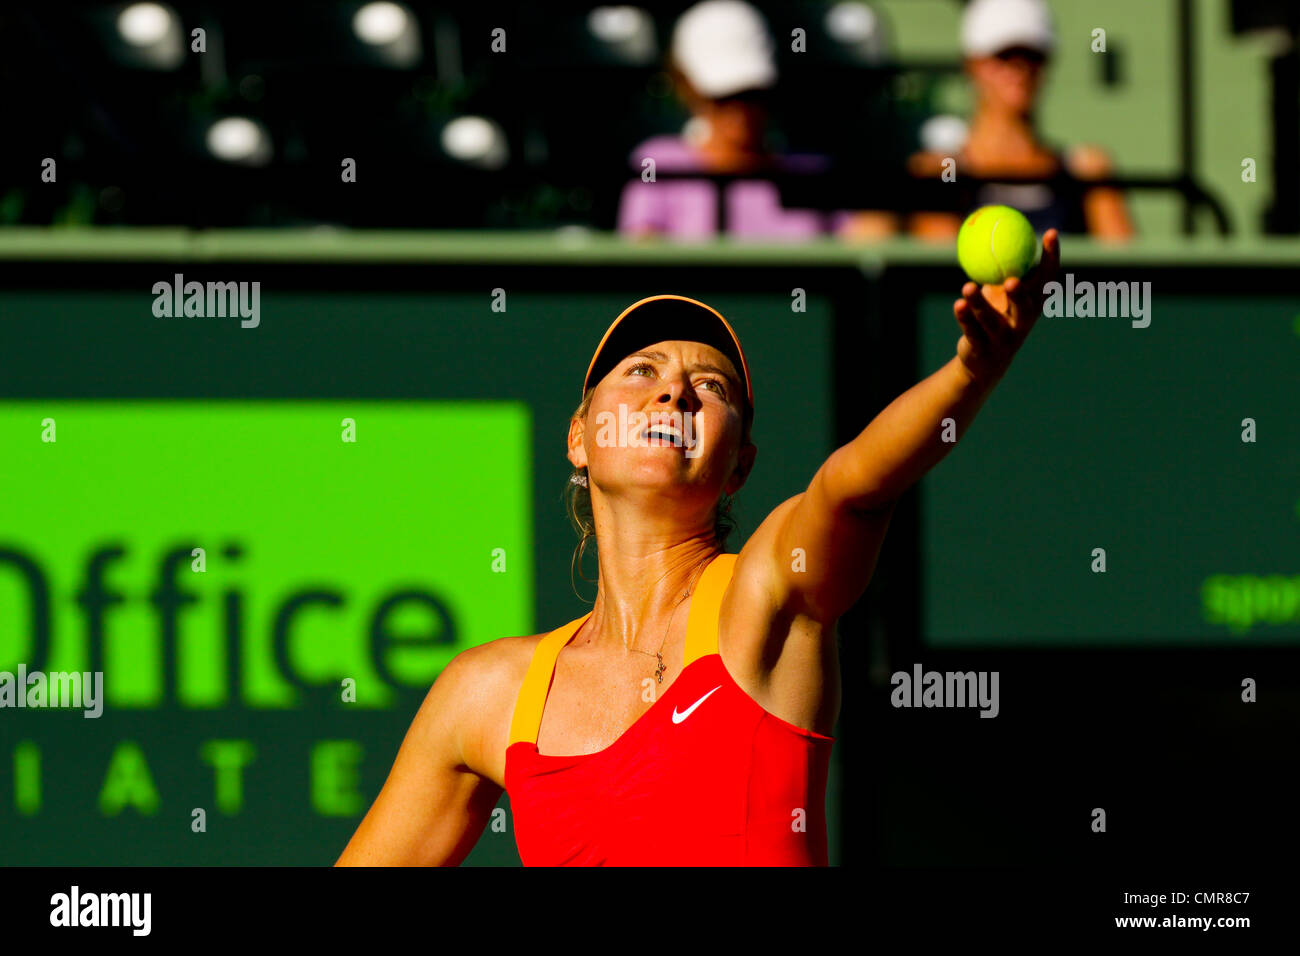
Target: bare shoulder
927,163
481,684
1088,162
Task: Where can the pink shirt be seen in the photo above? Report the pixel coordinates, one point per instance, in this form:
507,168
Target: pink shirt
688,208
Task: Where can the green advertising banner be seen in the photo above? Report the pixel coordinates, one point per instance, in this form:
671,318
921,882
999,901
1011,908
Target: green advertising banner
1170,451
232,557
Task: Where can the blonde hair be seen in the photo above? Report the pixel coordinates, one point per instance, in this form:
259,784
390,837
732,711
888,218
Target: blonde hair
577,500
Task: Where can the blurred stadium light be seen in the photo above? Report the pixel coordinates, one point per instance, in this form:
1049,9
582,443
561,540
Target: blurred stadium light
237,139
151,35
391,30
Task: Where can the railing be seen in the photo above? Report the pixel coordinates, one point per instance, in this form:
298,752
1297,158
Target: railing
865,189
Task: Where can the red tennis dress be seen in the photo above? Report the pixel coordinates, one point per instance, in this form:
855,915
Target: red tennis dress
705,777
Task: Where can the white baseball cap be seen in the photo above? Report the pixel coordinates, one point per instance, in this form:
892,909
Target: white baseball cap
724,47
989,26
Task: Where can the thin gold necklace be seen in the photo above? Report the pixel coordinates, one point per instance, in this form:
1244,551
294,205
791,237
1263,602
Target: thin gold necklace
659,654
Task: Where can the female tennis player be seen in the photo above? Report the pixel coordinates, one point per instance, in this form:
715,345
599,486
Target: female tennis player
687,718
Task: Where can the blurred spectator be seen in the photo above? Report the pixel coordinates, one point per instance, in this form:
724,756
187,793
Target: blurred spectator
1007,44
722,66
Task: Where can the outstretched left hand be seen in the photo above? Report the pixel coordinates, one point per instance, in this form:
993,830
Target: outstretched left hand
996,319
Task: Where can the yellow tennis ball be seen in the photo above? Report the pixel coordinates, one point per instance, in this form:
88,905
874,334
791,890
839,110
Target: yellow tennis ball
996,243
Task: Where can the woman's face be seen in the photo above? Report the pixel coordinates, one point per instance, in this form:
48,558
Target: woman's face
738,121
1009,81
691,388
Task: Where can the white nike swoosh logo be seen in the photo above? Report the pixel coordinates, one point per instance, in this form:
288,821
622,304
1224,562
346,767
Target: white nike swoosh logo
678,718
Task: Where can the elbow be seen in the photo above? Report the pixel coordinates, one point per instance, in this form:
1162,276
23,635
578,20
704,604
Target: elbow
858,484
844,487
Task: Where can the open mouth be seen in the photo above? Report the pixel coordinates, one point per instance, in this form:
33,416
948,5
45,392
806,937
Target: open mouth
662,434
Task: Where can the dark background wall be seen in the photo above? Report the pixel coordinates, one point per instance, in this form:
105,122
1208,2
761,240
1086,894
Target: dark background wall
1118,691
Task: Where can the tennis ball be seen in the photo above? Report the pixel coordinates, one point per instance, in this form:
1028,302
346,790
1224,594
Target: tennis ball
996,243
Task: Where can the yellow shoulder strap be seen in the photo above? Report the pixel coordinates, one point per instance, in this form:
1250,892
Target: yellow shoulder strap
702,625
701,640
527,719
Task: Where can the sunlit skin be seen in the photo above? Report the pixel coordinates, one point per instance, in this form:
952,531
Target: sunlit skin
1003,141
735,140
737,126
1006,85
654,506
654,509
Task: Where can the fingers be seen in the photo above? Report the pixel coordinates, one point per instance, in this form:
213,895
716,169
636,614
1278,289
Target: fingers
1052,254
1022,307
990,319
965,316
1050,265
996,318
1027,295
1017,299
1052,249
